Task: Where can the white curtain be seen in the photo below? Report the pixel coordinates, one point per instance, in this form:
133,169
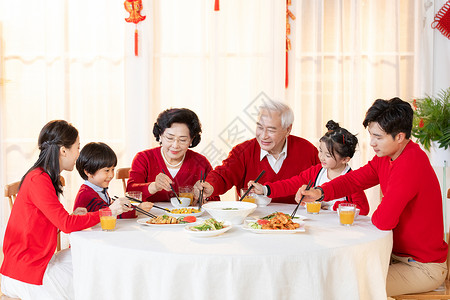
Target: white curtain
75,60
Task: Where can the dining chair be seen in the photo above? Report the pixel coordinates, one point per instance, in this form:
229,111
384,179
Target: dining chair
443,292
124,174
11,191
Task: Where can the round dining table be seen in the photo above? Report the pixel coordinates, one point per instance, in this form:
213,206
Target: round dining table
326,261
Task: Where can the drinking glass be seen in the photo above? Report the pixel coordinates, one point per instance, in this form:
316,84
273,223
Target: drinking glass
107,220
346,213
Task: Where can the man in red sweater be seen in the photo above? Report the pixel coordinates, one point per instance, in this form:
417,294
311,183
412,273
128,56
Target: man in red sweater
411,205
274,150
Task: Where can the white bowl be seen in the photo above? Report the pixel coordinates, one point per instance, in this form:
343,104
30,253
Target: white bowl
185,202
232,211
261,200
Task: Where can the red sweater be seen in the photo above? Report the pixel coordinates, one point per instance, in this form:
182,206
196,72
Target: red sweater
90,199
411,205
149,163
290,186
243,164
30,237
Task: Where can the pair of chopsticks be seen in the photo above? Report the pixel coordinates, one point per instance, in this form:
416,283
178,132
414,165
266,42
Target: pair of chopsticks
179,201
310,183
138,209
139,201
250,187
200,198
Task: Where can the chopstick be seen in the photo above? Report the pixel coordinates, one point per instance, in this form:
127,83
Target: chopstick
310,183
179,201
256,180
149,214
200,198
139,201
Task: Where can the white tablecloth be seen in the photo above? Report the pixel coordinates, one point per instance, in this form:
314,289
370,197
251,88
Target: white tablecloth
328,261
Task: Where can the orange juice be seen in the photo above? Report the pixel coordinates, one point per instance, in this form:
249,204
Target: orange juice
313,207
250,199
187,195
108,223
346,217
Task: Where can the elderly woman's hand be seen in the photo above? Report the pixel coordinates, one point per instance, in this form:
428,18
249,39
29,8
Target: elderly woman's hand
162,182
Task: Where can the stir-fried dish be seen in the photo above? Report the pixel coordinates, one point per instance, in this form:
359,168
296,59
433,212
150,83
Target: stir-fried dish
275,221
165,219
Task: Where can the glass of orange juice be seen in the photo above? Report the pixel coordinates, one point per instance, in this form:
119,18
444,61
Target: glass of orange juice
186,191
107,220
250,197
346,213
313,207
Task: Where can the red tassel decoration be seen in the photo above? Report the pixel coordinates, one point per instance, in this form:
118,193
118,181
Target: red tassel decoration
286,83
136,51
216,5
442,20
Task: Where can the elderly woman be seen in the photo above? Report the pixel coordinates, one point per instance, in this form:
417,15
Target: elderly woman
173,163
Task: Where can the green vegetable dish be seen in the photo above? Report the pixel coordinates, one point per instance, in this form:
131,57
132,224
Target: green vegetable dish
208,225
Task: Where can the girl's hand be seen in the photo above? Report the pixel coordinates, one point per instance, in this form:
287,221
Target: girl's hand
162,182
146,205
257,188
80,211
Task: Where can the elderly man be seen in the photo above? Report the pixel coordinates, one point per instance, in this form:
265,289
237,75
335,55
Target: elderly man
274,150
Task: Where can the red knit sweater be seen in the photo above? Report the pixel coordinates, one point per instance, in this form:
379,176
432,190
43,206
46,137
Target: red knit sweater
149,163
411,204
290,186
91,200
243,164
30,237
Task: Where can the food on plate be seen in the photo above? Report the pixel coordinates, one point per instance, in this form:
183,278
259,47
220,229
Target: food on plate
184,211
165,219
208,225
275,221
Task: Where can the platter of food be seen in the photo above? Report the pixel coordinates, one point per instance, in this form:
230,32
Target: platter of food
166,220
185,211
208,228
275,223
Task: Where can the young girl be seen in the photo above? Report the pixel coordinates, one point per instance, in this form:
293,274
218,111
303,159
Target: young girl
336,149
30,268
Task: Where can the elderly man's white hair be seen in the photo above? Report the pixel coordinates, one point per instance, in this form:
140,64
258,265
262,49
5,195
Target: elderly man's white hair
287,115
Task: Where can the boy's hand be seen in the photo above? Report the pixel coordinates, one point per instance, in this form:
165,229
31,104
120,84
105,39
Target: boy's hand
120,206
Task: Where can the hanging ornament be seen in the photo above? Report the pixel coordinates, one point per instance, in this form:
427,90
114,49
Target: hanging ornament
289,14
134,7
442,20
216,5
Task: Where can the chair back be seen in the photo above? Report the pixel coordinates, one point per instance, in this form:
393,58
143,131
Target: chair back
123,174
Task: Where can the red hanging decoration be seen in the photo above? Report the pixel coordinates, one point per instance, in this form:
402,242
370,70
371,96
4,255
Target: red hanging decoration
289,14
216,5
134,7
442,20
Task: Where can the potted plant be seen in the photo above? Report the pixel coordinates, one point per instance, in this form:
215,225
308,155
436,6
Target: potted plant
431,123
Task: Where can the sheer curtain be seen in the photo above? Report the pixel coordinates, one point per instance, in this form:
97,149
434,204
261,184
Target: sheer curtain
75,60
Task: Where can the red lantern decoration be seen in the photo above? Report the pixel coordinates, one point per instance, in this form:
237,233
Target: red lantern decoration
134,7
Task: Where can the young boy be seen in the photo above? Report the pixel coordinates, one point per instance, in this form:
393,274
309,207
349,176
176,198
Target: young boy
96,165
411,205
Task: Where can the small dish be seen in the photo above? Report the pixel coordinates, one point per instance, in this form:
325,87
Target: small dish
143,221
185,202
274,231
185,215
210,233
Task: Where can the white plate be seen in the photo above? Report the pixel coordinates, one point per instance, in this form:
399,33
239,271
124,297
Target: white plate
300,229
143,221
227,226
185,215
